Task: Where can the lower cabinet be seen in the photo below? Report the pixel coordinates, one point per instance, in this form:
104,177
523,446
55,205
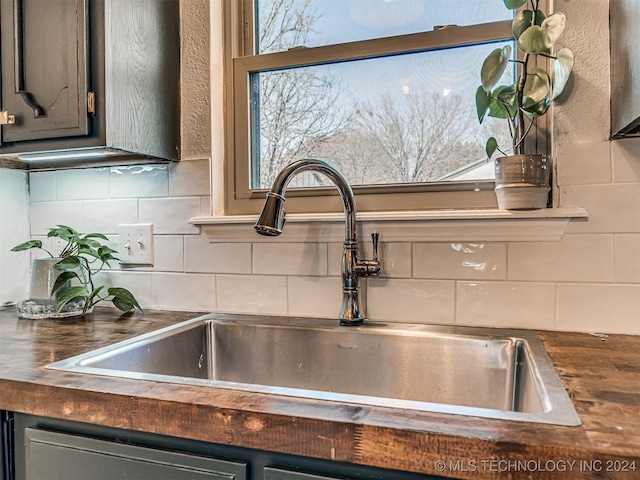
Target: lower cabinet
52,449
59,456
279,474
6,445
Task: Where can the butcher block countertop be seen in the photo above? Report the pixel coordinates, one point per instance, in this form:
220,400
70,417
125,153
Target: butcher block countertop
601,374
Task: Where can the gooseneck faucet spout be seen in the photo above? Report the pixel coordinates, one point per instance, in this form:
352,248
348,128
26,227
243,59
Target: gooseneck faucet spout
271,222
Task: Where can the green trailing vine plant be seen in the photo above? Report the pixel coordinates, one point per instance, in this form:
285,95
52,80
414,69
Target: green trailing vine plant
534,89
84,253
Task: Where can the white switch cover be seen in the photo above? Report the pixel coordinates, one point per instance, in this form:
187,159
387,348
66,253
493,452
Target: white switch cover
136,243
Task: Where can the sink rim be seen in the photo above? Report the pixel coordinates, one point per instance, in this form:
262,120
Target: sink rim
548,382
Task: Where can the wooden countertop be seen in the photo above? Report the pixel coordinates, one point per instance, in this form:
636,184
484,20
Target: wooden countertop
601,374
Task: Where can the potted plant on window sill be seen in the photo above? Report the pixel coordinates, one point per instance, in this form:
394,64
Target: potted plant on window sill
522,178
63,285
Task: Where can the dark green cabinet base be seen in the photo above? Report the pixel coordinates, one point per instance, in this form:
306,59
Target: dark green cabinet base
54,449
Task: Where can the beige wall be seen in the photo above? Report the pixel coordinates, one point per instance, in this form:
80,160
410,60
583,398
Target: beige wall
590,280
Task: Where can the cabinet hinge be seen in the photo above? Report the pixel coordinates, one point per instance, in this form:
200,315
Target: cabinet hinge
91,103
6,118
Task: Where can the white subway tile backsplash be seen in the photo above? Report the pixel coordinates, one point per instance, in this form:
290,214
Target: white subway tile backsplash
47,244
113,243
584,163
599,308
576,258
612,208
315,296
42,186
252,294
189,177
82,184
139,181
184,291
138,283
104,216
205,206
170,215
506,304
334,258
400,300
625,156
168,255
395,258
290,258
566,285
45,215
627,258
464,261
205,257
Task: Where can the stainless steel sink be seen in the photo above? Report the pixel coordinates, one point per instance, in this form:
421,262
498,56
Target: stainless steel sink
491,373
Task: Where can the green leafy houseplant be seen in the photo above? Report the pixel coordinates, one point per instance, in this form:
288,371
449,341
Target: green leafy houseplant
522,102
82,257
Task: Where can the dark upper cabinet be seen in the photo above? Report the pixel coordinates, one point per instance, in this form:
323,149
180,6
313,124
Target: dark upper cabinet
45,78
624,17
89,82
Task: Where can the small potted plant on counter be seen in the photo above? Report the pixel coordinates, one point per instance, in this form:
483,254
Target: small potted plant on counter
522,178
63,285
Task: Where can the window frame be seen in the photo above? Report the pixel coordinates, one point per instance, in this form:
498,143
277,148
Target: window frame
240,63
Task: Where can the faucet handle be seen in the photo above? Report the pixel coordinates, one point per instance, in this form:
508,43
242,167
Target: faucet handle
374,239
369,268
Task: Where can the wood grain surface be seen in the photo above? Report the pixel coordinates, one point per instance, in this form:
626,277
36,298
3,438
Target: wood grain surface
601,374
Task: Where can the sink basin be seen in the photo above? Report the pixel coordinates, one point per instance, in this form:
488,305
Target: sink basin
493,373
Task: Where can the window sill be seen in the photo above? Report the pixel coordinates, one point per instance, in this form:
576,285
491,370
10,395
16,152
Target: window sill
418,226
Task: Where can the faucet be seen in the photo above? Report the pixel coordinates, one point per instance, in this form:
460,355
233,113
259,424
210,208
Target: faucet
272,220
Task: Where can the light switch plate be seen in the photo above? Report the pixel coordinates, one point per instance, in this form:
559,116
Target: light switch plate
135,243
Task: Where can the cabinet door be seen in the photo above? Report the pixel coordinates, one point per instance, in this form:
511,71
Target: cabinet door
58,456
6,445
44,68
278,474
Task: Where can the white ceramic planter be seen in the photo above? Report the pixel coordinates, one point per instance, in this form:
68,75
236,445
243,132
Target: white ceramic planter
522,182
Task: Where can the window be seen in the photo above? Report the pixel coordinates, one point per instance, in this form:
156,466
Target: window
382,89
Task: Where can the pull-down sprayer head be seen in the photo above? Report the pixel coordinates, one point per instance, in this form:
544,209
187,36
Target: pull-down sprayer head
272,218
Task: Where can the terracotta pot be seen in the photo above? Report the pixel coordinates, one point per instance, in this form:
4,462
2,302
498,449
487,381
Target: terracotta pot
522,182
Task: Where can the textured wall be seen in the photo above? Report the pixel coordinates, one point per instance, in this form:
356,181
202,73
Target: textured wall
582,113
195,79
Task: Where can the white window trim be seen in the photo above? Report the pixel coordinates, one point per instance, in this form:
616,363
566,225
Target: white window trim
439,225
240,199
487,225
